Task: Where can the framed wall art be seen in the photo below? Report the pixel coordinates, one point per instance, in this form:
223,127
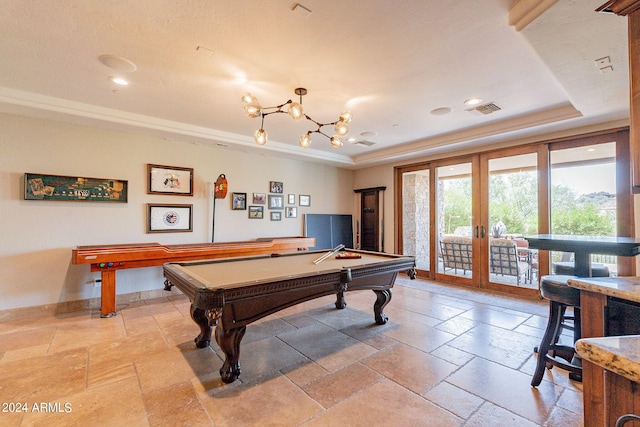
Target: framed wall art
291,212
291,199
59,187
276,202
167,218
259,198
238,201
276,187
256,212
170,180
276,216
305,200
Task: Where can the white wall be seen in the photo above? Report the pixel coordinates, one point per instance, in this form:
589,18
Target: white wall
36,237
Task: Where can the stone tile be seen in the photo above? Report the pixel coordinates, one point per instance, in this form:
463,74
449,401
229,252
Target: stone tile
506,347
44,378
265,357
457,325
410,368
385,404
84,333
452,355
494,317
340,385
507,388
329,348
492,415
113,404
24,353
563,418
162,369
270,402
422,337
177,405
454,399
304,372
26,338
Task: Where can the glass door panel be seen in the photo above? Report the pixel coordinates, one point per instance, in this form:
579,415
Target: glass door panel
513,214
415,217
583,201
454,220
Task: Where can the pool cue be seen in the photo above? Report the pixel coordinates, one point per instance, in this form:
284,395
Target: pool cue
329,254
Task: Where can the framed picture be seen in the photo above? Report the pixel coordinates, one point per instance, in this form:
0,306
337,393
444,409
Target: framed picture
292,199
259,198
276,202
291,212
239,201
256,212
57,187
167,218
170,180
276,216
276,187
305,200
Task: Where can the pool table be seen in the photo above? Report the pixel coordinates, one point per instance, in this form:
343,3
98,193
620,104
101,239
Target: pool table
232,293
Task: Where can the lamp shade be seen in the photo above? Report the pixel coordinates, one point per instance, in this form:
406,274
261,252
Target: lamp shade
305,140
295,111
261,137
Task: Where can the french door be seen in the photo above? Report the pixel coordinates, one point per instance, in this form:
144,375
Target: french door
465,218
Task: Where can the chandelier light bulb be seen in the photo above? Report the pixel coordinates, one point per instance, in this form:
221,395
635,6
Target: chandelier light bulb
336,142
346,116
253,109
295,111
247,98
260,137
305,141
341,128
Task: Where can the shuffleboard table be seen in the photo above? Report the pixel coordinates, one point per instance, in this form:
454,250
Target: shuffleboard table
232,293
108,259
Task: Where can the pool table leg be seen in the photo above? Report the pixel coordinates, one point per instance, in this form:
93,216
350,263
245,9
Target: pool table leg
382,299
229,342
204,338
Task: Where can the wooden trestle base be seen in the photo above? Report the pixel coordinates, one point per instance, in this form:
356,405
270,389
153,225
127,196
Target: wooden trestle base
108,259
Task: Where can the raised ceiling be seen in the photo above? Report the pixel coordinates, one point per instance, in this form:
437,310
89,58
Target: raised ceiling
390,63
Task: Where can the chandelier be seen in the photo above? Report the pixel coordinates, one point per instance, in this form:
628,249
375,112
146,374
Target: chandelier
253,109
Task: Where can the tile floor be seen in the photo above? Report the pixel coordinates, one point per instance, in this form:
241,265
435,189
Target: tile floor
448,356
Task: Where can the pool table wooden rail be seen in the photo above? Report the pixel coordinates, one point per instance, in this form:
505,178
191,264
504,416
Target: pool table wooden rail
108,259
232,307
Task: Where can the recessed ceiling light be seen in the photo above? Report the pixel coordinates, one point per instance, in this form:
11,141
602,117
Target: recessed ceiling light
441,111
119,81
368,133
591,149
473,101
118,63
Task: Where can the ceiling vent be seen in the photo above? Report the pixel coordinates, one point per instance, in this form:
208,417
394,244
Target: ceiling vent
486,108
365,143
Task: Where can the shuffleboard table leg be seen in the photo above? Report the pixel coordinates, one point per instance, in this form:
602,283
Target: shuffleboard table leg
340,301
108,293
229,342
382,299
204,338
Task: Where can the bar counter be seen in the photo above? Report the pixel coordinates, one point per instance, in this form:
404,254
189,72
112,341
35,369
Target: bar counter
607,394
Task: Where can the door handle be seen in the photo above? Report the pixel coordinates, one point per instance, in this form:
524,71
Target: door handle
482,231
475,231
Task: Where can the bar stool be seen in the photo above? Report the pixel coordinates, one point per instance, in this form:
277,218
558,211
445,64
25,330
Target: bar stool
568,268
550,353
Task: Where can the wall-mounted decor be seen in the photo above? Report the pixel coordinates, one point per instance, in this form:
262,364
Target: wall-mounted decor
291,199
57,187
259,198
291,212
167,218
256,212
276,202
170,180
305,200
239,201
276,216
276,187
